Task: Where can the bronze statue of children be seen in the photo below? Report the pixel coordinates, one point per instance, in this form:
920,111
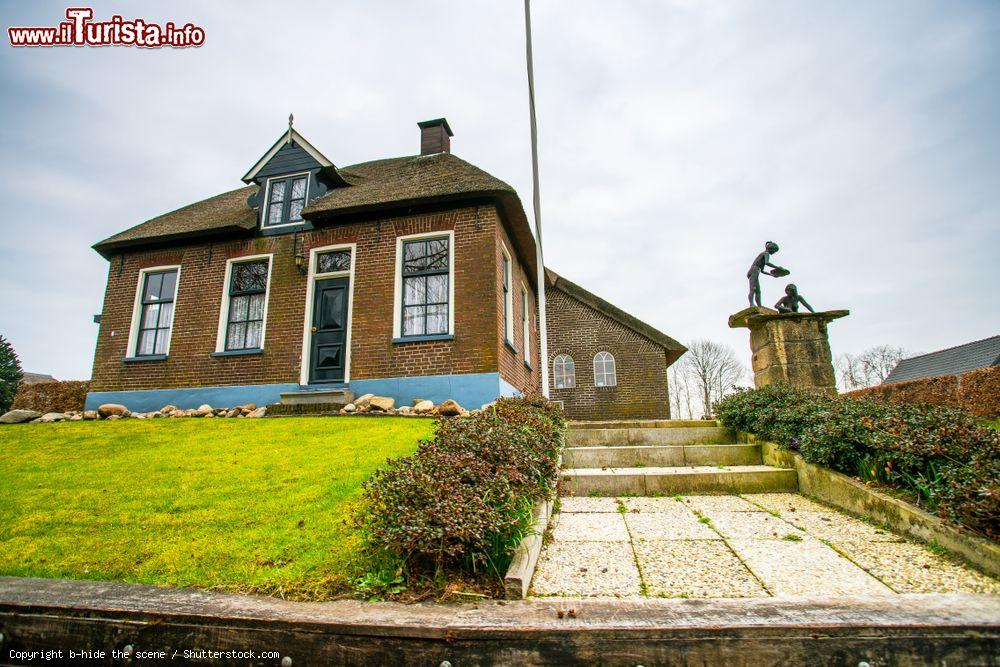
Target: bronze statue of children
759,266
790,302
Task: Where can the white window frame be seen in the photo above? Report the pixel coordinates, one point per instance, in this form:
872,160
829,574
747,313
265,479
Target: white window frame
310,295
133,332
604,372
508,298
265,205
397,296
554,382
220,339
525,325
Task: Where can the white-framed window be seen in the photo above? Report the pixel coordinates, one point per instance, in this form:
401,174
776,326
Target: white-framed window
508,296
525,325
153,312
243,316
286,196
604,370
563,372
425,286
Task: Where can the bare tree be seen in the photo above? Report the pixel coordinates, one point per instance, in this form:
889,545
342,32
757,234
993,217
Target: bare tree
680,390
714,370
869,368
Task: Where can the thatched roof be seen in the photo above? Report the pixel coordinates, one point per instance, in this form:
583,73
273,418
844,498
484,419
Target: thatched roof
381,185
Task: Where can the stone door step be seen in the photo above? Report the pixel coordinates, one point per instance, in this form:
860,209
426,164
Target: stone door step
646,423
661,455
649,435
667,481
318,396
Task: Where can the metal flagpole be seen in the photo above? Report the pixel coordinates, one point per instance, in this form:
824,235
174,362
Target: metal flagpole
543,360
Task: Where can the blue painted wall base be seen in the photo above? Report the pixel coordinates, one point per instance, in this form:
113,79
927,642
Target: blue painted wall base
471,391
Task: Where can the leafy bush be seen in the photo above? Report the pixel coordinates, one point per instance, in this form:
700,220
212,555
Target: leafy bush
59,396
10,374
464,499
943,457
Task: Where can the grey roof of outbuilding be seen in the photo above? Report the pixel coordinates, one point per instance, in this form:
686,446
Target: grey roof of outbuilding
953,361
394,183
673,349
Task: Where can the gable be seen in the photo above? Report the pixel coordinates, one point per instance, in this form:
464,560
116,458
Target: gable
290,158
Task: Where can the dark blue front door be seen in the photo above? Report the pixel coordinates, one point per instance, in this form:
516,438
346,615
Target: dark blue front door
329,330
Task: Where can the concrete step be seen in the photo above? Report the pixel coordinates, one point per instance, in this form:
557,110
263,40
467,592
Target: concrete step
646,423
649,435
661,455
667,481
339,396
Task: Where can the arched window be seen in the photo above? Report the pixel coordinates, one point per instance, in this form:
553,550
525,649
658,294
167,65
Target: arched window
563,372
604,370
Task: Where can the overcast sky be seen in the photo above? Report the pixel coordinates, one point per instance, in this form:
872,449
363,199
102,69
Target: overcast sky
675,138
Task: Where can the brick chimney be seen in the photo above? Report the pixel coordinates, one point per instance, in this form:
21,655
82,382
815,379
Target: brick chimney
435,136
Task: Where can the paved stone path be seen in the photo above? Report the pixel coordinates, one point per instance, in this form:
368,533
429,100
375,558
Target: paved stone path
754,545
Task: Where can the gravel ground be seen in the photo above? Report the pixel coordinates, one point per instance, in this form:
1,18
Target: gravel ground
659,547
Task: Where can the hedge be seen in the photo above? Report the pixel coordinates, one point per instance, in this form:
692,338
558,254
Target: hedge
463,501
51,396
977,392
940,457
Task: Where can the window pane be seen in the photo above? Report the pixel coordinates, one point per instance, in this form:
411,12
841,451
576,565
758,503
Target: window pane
256,307
274,214
414,290
238,308
235,337
254,330
153,283
249,276
277,191
167,288
506,273
162,340
295,211
329,262
150,316
299,188
437,288
166,314
413,320
146,340
425,255
437,319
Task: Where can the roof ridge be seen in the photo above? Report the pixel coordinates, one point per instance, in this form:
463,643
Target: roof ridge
948,349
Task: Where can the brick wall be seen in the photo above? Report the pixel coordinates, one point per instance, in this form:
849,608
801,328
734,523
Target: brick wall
373,355
512,366
581,332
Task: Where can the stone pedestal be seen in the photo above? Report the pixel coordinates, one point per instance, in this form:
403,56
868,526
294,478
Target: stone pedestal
790,348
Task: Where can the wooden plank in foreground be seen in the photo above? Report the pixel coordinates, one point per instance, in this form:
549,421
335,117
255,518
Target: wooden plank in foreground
48,614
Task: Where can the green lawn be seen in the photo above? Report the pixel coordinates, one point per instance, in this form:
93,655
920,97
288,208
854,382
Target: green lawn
241,505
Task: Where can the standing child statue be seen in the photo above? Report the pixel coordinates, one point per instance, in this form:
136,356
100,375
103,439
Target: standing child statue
759,266
790,302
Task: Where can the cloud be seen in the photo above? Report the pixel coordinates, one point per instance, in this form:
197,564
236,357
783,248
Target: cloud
675,138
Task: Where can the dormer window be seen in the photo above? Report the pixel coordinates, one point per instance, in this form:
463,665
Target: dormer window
286,197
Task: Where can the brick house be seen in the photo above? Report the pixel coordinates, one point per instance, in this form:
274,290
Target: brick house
410,277
605,363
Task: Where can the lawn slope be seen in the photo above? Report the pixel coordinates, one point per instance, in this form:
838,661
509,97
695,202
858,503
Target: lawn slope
239,505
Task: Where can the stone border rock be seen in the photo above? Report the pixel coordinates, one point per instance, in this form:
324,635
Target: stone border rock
522,567
852,496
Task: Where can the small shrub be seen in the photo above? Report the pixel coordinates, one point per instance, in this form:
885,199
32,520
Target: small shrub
52,396
464,500
10,374
945,459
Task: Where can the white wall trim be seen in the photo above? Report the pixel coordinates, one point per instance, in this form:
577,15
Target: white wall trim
265,208
525,325
133,332
220,339
310,294
509,298
397,295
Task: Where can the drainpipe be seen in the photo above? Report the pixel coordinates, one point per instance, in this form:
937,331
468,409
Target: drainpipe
543,338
